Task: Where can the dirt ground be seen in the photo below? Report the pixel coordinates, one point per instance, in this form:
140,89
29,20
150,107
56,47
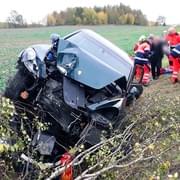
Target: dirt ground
157,109
163,87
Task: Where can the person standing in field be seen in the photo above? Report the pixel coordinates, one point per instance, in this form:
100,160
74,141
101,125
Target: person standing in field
158,49
173,38
142,51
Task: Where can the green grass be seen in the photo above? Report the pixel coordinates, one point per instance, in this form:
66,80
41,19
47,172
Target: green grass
12,41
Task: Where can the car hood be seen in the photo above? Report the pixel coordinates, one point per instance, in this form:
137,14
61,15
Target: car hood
99,62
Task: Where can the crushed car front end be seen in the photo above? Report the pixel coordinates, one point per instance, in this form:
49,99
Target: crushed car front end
97,78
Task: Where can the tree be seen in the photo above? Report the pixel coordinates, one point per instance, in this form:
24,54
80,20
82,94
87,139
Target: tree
56,17
15,20
78,20
130,19
79,12
70,16
51,21
89,16
122,19
102,17
140,18
161,20
117,14
61,18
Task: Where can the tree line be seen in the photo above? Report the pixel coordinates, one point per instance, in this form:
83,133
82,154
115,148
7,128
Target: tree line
16,20
117,14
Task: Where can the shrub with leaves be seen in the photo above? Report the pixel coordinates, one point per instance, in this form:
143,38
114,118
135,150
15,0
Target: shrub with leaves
149,146
146,148
16,139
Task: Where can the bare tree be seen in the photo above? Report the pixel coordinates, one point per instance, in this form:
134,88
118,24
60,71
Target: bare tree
15,20
161,20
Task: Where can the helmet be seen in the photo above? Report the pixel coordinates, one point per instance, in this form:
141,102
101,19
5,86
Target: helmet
142,38
54,37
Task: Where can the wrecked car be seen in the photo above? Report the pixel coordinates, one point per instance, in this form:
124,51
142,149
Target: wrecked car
82,89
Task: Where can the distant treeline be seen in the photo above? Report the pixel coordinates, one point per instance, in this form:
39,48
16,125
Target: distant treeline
3,25
16,20
118,14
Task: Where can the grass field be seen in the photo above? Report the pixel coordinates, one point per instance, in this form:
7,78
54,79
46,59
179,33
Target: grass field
12,41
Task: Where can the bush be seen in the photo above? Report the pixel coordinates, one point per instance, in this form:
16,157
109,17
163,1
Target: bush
147,148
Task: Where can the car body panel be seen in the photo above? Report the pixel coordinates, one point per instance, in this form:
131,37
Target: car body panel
99,61
114,102
33,58
41,50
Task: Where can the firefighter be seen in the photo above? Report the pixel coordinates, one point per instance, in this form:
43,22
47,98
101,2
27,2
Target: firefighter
142,53
173,39
175,54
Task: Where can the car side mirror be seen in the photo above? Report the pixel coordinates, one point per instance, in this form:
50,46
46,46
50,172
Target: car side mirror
62,70
68,64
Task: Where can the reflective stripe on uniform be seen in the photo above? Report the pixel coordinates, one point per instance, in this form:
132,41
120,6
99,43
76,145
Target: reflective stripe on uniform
146,78
141,59
176,50
175,74
147,49
146,75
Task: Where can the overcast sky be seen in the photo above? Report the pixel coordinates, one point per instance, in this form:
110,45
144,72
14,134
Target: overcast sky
36,10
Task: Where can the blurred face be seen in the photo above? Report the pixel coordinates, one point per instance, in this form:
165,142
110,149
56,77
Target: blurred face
151,39
172,30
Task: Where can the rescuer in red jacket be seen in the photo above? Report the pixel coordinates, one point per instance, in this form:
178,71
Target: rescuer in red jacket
175,54
142,51
173,38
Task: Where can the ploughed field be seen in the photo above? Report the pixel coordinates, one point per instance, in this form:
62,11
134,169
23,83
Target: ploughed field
12,41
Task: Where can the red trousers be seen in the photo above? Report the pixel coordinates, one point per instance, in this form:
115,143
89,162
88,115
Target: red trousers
176,69
146,76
